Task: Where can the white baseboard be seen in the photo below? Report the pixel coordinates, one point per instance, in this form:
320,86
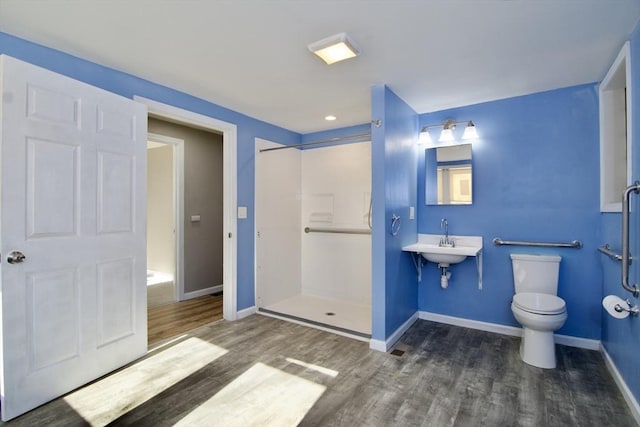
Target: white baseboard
570,341
246,312
634,407
386,345
202,292
586,343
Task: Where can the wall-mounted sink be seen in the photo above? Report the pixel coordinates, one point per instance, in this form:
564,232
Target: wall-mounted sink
441,254
429,248
432,251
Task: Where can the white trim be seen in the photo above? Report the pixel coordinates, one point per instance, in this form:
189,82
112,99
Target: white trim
378,345
471,324
634,407
578,342
386,345
311,325
178,208
202,292
585,343
606,93
230,176
246,312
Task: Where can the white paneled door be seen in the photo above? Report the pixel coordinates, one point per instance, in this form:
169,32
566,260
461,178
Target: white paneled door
72,234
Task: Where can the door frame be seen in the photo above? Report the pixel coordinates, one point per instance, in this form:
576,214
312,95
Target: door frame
229,154
178,208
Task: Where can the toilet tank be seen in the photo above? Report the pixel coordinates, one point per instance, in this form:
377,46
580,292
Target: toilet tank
536,273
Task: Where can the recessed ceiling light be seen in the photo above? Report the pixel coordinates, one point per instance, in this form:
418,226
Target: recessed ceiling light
330,117
335,48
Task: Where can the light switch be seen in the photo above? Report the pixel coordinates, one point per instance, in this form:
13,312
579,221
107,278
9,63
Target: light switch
242,212
412,213
195,218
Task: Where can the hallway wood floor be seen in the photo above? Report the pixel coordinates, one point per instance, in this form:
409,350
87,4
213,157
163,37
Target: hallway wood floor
176,318
261,371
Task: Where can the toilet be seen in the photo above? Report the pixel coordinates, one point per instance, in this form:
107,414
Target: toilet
537,307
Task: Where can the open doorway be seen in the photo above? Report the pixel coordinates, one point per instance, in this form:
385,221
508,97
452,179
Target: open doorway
185,227
230,247
201,225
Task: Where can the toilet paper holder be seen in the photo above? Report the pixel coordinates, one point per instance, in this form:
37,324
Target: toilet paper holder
633,310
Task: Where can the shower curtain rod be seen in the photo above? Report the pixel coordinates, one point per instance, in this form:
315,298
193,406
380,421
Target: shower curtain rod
324,141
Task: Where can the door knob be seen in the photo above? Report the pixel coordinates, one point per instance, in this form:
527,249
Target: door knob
16,257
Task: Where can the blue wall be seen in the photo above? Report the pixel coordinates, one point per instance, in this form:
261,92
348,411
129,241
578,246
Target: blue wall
621,338
128,86
535,178
394,168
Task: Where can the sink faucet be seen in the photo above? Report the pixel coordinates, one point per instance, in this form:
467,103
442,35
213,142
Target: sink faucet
445,241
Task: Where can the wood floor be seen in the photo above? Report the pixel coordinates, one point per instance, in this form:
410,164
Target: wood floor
261,371
174,319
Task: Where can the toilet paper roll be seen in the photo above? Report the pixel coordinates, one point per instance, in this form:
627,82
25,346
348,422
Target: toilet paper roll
609,303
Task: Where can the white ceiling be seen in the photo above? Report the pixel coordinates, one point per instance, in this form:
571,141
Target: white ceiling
251,55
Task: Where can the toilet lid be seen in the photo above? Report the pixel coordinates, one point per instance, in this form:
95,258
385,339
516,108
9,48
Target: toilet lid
539,303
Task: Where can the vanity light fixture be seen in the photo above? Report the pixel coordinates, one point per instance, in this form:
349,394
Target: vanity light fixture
424,138
470,131
335,48
446,135
447,131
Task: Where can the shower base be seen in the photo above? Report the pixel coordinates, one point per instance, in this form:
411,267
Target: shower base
339,316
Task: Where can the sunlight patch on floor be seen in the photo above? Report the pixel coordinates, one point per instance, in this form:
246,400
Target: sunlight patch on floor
313,367
261,396
108,399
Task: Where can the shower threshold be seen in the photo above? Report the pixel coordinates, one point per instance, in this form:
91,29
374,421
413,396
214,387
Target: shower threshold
342,318
346,332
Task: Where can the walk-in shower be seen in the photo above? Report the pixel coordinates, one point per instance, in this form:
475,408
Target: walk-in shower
313,240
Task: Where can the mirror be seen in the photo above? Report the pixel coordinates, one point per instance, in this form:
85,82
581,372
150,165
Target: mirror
448,175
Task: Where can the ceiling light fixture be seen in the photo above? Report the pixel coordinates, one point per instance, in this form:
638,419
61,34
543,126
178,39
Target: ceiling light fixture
446,135
330,117
335,48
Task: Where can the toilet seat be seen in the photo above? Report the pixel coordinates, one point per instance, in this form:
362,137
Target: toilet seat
536,303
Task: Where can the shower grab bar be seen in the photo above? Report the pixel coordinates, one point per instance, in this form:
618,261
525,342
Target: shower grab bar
574,244
633,188
337,230
606,249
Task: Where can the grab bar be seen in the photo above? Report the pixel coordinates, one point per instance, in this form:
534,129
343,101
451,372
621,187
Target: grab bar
337,230
606,249
574,244
633,188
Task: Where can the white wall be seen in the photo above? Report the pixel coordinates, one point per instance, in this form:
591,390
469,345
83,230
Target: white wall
336,188
160,238
277,224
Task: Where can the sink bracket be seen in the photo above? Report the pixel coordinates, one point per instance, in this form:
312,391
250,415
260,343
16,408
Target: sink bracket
418,263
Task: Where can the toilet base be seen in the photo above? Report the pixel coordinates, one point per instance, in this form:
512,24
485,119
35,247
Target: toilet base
538,348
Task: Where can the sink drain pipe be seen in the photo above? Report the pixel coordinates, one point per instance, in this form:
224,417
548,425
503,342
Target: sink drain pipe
445,276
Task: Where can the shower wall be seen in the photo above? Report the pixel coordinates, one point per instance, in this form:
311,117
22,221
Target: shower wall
277,224
336,190
318,188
